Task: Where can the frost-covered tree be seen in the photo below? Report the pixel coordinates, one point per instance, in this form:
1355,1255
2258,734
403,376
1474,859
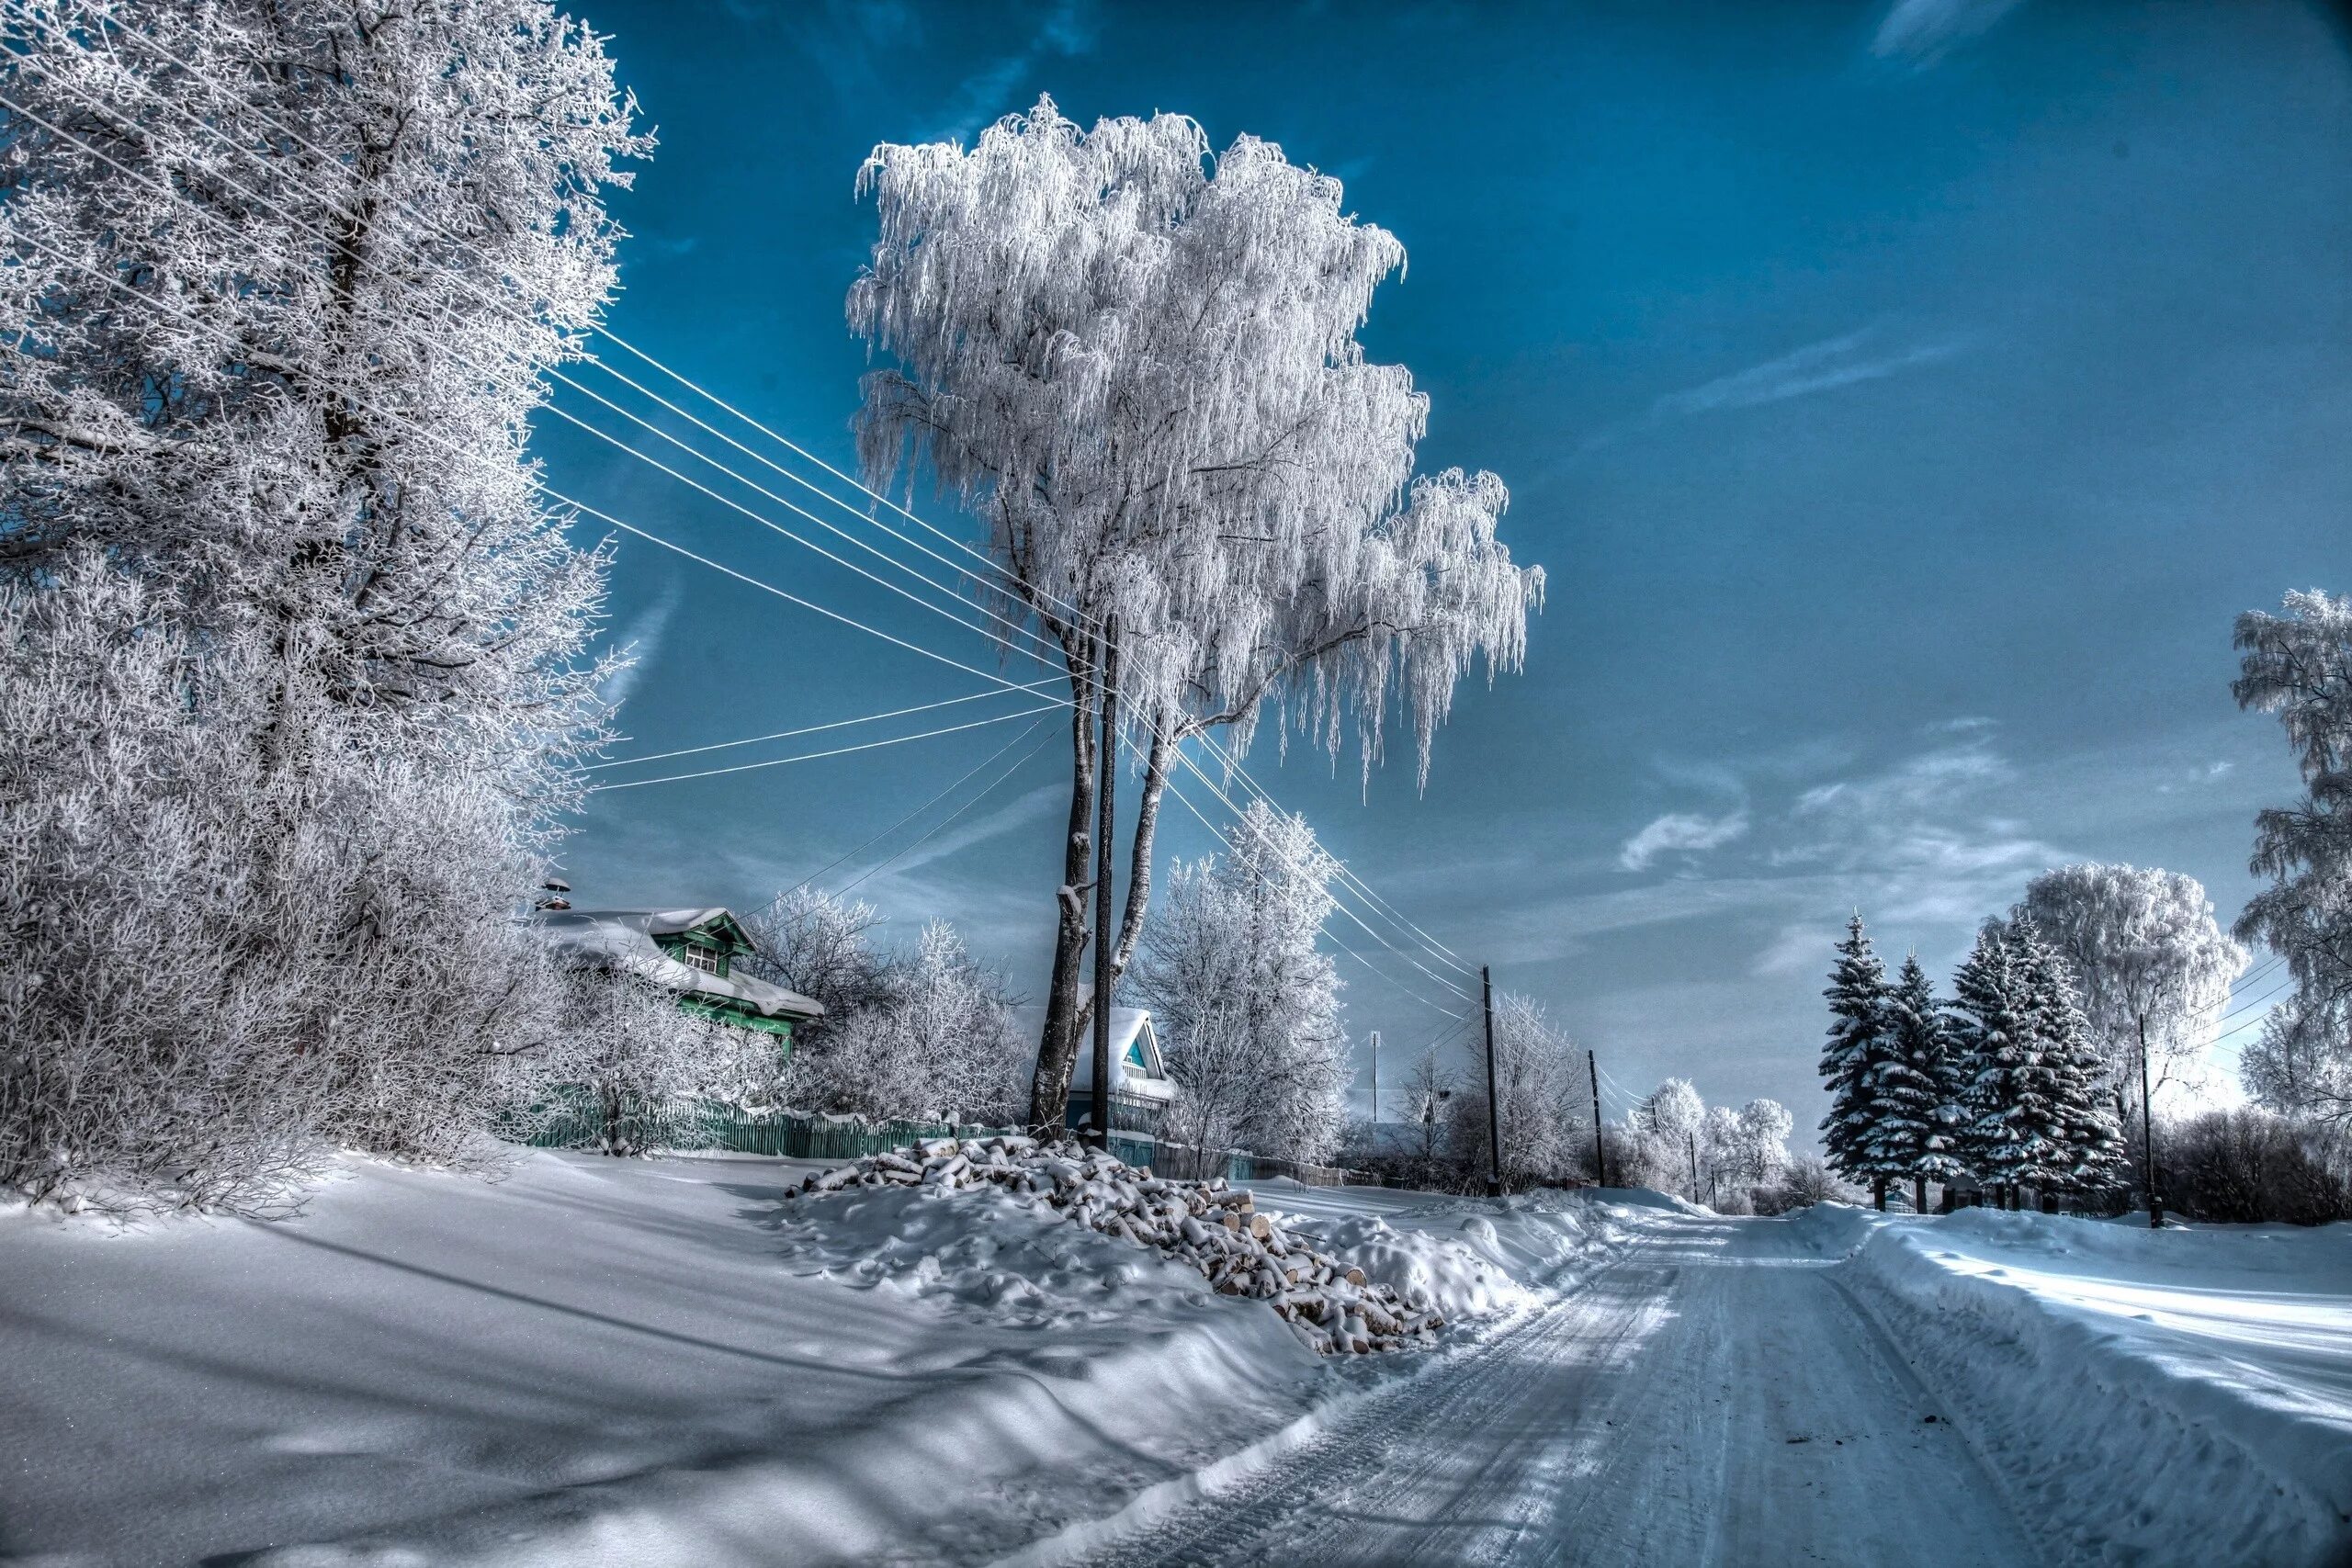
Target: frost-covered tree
1428,1086
2152,970
922,1036
299,658
1138,365
1541,1107
1918,1096
1860,1034
2300,1066
633,1052
2086,1146
2299,666
1247,1007
1992,1038
1667,1125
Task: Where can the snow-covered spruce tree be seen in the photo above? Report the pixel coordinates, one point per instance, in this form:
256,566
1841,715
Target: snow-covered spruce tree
1138,365
2299,666
1917,1095
327,750
2086,1146
2020,1114
1247,1008
1860,1031
1988,1034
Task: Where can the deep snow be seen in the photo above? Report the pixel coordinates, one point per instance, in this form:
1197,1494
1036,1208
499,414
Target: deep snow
661,1361
2184,1396
640,1361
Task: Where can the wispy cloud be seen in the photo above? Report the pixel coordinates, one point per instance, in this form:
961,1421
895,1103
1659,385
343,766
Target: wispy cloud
642,641
1821,367
1924,31
1067,32
1012,814
1684,832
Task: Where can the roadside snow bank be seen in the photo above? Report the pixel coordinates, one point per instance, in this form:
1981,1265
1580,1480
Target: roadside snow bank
1213,1230
2181,1396
1470,1258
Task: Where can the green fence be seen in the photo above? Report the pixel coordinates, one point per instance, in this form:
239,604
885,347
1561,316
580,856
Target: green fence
576,1120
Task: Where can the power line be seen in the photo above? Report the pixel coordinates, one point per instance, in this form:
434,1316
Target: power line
222,340
1185,801
816,756
459,278
565,414
807,729
901,822
951,817
1082,618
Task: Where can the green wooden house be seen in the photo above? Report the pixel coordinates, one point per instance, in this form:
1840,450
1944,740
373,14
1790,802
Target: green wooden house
691,953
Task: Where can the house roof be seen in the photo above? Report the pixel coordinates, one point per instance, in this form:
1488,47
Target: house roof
1130,1028
624,939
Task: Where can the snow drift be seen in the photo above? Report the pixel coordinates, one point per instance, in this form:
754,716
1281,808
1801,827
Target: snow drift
2182,1396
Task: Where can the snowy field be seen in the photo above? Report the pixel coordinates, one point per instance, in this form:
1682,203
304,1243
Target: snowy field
647,1362
661,1361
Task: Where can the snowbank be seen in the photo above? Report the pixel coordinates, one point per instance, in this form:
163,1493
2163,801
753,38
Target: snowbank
2182,1396
1470,1258
654,1362
1213,1230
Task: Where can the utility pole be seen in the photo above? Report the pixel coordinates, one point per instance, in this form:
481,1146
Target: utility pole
1375,1088
2148,1135
1600,1153
1106,764
1494,1116
1692,1139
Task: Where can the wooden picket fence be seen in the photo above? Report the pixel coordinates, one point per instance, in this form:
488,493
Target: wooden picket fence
576,1120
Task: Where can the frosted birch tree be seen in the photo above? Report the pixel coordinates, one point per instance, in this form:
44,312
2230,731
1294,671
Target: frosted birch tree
1247,1008
2297,665
284,278
2152,969
1138,364
1539,1098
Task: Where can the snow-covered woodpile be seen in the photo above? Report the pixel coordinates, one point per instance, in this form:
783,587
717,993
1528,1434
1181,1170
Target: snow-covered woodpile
1208,1224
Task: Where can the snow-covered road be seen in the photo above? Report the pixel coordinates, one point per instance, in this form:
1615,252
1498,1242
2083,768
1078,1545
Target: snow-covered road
1713,1397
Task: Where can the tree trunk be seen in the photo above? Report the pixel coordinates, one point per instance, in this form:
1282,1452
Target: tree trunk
1918,1194
1057,1043
1878,1193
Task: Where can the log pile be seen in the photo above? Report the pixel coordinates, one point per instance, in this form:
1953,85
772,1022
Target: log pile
1208,1225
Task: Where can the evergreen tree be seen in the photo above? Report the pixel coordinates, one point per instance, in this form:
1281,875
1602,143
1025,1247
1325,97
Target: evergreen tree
1992,1035
2085,1144
1916,1096
1858,1044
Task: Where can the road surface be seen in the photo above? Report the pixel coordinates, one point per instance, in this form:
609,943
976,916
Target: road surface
1712,1398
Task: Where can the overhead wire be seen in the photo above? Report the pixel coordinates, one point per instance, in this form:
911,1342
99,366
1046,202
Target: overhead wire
157,50
953,816
1012,626
1352,879
818,756
805,729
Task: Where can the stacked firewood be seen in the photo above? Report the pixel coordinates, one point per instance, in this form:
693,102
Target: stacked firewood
1211,1226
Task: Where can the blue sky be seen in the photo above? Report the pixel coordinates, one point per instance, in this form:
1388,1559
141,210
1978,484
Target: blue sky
1902,402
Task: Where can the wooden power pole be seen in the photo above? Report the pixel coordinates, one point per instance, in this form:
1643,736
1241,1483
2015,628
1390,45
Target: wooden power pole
1494,1116
2148,1136
1375,1088
1106,764
1599,1152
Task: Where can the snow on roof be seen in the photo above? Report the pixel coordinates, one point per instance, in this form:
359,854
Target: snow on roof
624,938
1131,1030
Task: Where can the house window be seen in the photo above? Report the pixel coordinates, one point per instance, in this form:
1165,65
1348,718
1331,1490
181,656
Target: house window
702,958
